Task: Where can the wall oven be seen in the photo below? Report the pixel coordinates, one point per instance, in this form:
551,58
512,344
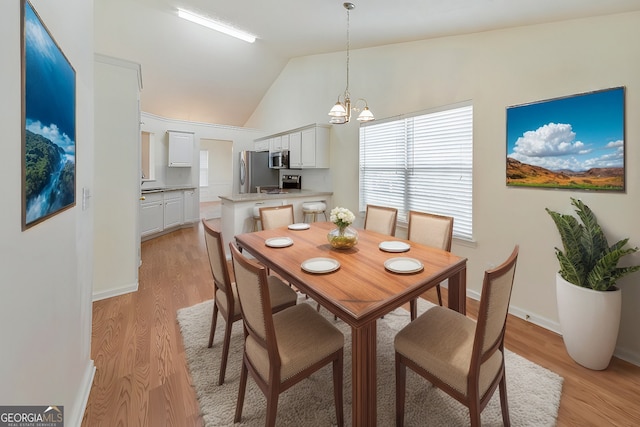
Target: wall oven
279,159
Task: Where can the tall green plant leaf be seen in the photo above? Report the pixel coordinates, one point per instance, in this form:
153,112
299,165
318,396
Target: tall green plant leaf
586,259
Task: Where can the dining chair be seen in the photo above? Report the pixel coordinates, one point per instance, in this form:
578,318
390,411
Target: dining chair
431,230
276,216
281,349
462,357
226,295
381,219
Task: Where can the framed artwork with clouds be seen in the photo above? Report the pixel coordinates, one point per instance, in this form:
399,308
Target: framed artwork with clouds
49,123
574,142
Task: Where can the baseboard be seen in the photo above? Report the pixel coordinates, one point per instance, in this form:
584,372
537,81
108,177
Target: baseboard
524,315
75,419
621,353
627,355
97,296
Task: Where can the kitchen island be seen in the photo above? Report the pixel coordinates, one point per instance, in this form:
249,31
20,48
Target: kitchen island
237,210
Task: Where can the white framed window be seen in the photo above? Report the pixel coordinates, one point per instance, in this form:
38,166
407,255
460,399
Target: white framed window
204,168
421,162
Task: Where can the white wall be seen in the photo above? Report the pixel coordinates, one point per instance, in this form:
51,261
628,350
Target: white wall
495,70
116,177
45,294
242,140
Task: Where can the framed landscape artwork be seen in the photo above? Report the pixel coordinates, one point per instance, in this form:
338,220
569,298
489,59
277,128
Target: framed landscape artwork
575,142
49,123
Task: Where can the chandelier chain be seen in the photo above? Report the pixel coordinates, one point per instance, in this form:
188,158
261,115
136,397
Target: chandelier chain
348,48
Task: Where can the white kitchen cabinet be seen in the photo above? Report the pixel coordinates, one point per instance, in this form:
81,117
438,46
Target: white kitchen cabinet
173,208
191,213
151,213
284,142
279,143
295,150
309,147
180,149
261,145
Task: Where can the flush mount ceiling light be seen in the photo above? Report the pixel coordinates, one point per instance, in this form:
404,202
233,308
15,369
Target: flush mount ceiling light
215,25
341,111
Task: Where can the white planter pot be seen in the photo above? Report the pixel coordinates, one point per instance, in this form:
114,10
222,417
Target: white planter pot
589,321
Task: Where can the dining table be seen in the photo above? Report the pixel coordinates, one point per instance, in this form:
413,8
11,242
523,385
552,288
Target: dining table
358,285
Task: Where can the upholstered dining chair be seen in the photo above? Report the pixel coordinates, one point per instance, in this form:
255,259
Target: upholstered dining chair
276,216
283,348
381,219
225,293
431,230
462,357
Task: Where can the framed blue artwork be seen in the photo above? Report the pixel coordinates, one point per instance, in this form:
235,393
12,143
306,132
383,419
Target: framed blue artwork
49,123
575,142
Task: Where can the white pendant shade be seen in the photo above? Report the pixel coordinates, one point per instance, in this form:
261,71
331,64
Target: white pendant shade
366,115
338,110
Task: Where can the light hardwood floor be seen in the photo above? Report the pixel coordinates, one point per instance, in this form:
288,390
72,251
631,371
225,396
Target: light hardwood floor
142,378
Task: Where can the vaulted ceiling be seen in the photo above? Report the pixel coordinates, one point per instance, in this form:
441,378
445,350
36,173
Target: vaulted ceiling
193,73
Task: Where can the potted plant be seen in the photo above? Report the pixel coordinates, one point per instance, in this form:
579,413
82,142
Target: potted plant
589,303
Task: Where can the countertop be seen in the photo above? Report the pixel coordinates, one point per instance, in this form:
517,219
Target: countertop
284,194
169,188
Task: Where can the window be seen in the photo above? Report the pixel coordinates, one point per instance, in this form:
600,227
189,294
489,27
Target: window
421,162
204,168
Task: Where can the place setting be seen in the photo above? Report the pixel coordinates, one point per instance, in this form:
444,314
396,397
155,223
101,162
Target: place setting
394,246
403,265
299,226
320,265
279,242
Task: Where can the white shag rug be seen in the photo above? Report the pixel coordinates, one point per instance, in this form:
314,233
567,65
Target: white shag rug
533,391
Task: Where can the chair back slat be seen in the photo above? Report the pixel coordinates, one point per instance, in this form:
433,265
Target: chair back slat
276,216
217,257
381,219
430,229
494,305
253,293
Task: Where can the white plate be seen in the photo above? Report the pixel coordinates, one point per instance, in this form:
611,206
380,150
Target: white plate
394,246
320,265
299,226
278,242
403,265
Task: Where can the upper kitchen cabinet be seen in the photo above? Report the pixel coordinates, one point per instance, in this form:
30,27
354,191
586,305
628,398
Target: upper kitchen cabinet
279,143
309,147
261,145
180,149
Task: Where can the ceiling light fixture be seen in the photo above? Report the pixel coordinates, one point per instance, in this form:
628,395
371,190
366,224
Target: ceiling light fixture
215,25
341,111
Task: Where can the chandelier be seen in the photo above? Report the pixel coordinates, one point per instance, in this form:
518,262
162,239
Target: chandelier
341,111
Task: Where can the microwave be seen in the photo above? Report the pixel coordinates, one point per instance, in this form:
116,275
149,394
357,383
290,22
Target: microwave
279,159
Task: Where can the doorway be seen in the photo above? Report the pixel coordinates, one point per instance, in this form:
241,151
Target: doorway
216,175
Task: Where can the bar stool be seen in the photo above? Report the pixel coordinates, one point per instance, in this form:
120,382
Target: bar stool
256,218
313,209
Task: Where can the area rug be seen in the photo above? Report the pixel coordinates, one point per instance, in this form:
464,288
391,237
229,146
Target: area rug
533,391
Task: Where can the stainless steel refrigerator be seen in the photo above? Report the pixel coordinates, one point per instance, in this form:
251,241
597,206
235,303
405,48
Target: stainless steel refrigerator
255,171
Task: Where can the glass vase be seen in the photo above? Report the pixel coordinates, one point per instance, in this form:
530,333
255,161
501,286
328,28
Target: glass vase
343,237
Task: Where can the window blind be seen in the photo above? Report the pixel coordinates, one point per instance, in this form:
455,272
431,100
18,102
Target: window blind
421,162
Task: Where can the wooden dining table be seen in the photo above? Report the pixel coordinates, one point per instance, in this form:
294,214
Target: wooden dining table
360,291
